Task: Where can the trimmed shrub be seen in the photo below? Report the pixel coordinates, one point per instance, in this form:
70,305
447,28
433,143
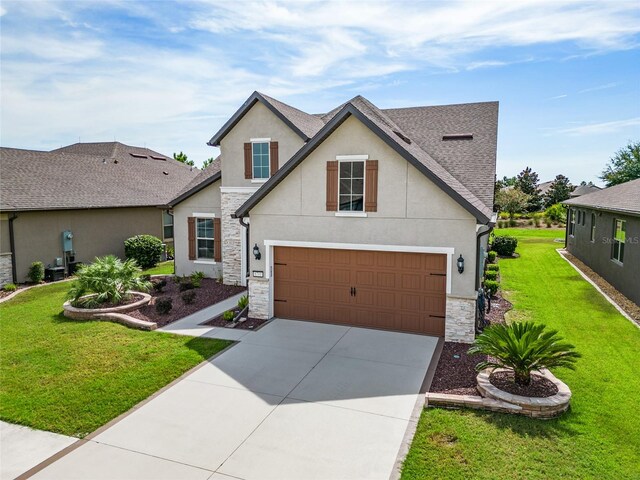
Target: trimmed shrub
491,256
144,249
186,285
36,272
243,301
158,286
10,287
556,213
196,279
490,275
492,267
504,245
513,222
188,297
503,215
228,315
491,286
164,305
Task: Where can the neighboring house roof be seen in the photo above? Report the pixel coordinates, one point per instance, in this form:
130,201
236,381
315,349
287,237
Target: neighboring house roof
206,177
584,190
303,124
623,198
400,140
89,175
544,187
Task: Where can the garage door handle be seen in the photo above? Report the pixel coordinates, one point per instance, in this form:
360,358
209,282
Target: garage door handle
438,274
276,300
436,316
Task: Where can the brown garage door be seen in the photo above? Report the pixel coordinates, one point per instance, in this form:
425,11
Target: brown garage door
388,290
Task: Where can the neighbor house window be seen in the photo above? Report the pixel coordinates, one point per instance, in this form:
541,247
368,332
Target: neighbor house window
167,225
593,227
584,218
260,160
204,237
572,222
351,187
619,237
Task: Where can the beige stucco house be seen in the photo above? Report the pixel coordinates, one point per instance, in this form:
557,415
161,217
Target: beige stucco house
359,216
99,193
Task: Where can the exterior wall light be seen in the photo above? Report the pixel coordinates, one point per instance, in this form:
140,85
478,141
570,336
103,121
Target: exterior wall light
460,263
256,252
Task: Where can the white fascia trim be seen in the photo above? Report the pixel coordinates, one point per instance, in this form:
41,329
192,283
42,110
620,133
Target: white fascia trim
238,189
351,214
269,244
352,157
203,215
256,140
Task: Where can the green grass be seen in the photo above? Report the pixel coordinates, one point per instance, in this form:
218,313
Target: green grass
163,268
70,376
598,438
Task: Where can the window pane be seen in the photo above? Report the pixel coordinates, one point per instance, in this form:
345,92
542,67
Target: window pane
260,160
345,202
620,230
205,248
205,228
357,203
345,169
345,187
357,187
358,169
167,218
168,231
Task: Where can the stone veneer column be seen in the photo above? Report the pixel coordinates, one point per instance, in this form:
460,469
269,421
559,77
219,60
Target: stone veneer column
6,274
460,323
232,233
259,298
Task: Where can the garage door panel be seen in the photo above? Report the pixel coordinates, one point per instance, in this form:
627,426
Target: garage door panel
393,290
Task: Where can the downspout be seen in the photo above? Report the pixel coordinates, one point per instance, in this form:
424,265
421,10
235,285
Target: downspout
478,237
12,246
246,226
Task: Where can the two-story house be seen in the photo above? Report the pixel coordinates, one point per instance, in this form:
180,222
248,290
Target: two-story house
360,216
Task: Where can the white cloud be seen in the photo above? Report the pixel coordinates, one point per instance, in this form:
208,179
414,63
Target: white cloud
606,86
600,128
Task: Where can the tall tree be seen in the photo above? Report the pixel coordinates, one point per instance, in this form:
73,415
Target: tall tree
623,166
527,182
559,191
182,158
207,162
512,201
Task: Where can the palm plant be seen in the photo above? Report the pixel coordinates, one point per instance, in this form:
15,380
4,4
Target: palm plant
110,279
523,347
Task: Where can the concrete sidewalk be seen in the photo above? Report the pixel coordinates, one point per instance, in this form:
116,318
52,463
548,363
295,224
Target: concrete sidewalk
294,400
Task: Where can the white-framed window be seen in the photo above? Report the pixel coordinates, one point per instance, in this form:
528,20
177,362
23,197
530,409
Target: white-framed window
592,237
167,225
204,238
260,161
572,222
351,186
619,239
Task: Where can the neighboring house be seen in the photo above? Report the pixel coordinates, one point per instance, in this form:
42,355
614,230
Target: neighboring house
603,231
101,193
357,216
584,190
544,187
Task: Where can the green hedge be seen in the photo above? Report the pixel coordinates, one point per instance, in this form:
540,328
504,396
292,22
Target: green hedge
505,245
144,249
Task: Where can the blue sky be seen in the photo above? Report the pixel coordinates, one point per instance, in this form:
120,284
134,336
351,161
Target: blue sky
168,74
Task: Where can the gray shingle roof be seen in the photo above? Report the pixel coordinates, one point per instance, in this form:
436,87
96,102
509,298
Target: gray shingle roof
206,177
90,175
308,124
584,190
624,198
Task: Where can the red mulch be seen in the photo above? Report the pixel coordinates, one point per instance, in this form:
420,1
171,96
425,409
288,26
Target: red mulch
209,293
539,386
456,371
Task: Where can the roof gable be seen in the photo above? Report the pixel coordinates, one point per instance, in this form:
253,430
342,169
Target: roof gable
391,134
624,198
206,177
303,124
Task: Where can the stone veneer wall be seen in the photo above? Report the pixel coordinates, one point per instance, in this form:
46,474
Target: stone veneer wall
460,323
259,298
232,237
6,275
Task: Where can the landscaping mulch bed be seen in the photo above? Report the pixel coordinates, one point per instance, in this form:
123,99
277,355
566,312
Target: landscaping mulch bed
249,324
627,305
539,386
209,293
456,371
132,299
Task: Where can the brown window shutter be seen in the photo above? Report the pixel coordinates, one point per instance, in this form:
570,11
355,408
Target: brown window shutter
191,228
248,167
217,240
371,187
273,157
332,186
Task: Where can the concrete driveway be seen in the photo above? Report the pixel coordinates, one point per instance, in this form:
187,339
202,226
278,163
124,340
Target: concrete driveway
294,400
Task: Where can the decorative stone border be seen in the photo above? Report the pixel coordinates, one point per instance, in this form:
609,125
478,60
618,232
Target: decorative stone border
115,314
497,400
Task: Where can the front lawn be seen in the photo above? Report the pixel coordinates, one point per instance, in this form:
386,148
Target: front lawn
70,376
163,268
598,437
